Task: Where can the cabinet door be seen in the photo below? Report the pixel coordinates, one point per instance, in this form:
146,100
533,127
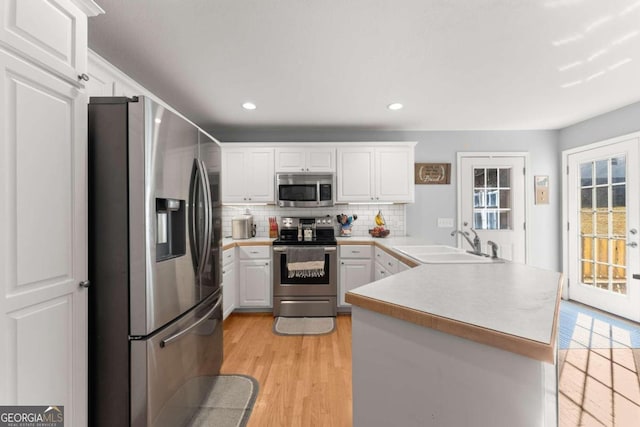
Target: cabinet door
394,174
229,289
380,272
43,249
353,273
355,178
260,183
233,176
320,159
290,159
52,32
255,283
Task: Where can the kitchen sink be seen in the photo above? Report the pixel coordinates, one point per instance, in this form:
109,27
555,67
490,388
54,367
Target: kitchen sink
441,254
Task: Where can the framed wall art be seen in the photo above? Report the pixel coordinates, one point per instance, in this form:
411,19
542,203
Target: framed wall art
433,173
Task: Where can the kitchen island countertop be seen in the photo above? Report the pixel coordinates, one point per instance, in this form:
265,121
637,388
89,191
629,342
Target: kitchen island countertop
506,305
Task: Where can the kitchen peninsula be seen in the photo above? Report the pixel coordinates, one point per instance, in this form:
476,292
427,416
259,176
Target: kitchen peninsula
456,345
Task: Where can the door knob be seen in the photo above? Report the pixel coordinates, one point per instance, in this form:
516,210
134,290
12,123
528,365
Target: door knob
85,283
633,231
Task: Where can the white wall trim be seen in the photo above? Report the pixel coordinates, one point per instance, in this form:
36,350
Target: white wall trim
528,189
565,200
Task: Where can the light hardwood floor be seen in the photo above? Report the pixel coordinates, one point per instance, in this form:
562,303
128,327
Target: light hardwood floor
304,380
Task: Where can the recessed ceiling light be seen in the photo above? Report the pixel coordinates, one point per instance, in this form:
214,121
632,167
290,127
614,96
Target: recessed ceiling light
395,106
249,106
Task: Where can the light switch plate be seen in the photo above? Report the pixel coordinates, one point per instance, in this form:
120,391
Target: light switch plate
445,222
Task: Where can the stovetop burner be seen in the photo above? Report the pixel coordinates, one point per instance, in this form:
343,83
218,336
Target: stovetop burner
307,231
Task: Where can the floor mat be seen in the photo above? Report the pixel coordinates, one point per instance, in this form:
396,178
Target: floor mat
581,327
304,325
229,403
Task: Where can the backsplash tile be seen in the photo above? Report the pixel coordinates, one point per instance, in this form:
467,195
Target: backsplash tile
394,216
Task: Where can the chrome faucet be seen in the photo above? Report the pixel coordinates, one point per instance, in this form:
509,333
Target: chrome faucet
464,234
475,243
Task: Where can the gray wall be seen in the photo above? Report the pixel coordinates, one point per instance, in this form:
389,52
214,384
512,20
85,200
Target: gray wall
609,125
438,201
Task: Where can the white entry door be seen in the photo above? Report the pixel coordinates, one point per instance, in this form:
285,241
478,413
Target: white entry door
491,201
603,214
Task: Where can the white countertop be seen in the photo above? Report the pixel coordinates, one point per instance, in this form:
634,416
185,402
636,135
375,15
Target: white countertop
505,297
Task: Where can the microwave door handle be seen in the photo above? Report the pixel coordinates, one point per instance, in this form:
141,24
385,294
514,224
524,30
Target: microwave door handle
193,216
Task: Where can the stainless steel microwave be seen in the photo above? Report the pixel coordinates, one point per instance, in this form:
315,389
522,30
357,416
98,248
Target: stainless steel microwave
305,190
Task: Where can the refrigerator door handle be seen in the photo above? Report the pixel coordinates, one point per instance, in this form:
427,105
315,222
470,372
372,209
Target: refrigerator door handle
193,220
186,330
206,241
197,237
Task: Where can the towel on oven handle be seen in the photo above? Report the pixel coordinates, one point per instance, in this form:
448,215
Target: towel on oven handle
305,262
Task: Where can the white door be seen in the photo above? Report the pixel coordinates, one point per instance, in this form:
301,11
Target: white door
492,202
43,241
603,215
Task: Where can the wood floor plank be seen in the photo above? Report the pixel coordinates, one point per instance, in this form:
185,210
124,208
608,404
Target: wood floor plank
304,380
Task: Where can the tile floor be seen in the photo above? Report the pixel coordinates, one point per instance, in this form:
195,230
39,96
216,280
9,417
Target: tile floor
599,382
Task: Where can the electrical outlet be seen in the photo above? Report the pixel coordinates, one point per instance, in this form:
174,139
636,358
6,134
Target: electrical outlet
445,222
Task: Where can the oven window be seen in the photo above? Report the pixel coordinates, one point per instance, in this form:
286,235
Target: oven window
298,192
286,280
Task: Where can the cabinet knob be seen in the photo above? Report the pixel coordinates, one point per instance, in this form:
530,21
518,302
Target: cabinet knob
390,264
83,76
342,263
266,263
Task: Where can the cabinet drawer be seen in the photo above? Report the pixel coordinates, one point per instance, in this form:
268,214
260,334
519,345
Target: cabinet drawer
253,252
228,256
389,262
355,251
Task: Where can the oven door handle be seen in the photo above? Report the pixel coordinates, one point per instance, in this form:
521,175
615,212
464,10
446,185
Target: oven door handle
284,248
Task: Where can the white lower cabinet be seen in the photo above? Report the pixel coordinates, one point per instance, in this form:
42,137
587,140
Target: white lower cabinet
229,287
254,276
355,269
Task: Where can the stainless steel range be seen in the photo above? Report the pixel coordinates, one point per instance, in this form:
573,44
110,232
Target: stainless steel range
305,278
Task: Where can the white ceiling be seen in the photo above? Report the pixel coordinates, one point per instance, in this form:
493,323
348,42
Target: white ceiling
454,64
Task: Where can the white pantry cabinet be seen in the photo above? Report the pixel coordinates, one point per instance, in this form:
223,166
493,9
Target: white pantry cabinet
305,159
375,174
355,269
254,276
248,175
229,283
43,219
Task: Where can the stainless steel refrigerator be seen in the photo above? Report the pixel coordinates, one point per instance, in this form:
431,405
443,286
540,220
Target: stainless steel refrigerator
155,315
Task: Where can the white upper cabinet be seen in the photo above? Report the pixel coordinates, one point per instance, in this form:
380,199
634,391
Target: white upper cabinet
248,175
375,174
305,159
53,33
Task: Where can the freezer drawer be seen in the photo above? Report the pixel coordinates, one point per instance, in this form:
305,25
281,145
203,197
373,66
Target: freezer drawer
171,371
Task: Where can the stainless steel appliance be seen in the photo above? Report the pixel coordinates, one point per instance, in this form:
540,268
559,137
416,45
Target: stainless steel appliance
305,190
305,295
155,315
242,227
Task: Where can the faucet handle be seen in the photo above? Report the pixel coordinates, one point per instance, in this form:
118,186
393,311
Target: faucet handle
494,248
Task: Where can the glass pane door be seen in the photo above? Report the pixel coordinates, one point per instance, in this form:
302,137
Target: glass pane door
603,223
492,199
603,205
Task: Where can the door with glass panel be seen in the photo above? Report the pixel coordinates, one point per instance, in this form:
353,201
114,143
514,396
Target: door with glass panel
492,203
603,228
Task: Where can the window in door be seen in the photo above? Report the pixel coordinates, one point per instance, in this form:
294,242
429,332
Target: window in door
492,200
603,223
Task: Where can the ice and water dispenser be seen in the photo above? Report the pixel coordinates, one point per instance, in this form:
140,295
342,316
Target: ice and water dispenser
170,234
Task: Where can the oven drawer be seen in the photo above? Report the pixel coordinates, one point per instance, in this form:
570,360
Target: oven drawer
305,306
254,252
356,251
